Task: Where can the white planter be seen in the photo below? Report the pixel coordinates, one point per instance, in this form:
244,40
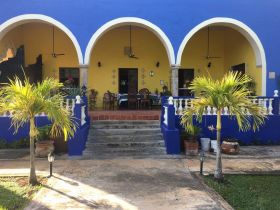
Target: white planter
205,144
214,145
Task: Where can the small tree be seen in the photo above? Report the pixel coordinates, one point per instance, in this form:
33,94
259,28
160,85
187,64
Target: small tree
232,92
24,101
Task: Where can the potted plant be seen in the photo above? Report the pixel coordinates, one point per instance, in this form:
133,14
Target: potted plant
190,136
230,146
44,144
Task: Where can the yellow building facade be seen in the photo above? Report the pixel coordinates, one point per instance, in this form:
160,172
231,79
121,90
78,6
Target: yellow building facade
109,54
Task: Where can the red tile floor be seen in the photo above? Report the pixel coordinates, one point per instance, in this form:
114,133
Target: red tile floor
125,115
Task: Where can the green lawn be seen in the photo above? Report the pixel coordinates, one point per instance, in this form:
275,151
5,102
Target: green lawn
15,193
249,192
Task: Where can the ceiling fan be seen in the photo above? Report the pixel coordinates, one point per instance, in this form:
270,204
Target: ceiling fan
131,54
208,46
54,54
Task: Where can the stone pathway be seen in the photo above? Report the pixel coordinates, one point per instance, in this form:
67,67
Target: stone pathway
116,184
137,183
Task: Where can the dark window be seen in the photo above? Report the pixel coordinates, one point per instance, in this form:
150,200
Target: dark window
240,68
69,76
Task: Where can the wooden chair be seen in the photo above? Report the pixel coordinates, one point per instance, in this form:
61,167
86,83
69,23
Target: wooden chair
106,101
145,100
92,99
113,99
132,101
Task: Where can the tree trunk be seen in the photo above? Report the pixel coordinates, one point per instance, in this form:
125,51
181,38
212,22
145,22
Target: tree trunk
32,135
218,171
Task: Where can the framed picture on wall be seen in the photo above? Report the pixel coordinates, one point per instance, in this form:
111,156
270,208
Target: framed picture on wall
69,76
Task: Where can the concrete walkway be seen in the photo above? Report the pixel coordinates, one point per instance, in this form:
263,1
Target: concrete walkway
116,184
137,183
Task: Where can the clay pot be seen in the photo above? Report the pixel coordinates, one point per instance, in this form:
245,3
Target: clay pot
231,148
43,148
191,147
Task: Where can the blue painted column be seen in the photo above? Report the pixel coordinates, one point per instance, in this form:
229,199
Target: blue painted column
76,144
170,132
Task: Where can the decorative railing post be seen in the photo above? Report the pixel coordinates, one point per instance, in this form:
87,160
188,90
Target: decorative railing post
170,132
170,114
76,144
78,110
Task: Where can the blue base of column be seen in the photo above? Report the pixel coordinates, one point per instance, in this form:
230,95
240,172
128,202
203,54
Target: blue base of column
172,141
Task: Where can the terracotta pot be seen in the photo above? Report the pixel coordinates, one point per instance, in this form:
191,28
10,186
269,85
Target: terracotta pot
191,147
231,148
43,148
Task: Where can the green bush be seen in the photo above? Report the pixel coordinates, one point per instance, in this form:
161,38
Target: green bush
17,144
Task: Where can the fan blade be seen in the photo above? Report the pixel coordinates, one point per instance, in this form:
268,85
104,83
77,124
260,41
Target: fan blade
132,56
54,55
57,54
212,57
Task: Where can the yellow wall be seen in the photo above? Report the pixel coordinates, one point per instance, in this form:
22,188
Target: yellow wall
194,56
242,53
109,50
230,45
37,39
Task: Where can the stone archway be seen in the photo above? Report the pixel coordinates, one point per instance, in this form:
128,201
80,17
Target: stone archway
248,33
28,18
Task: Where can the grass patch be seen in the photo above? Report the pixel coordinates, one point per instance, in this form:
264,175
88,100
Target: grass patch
249,192
16,193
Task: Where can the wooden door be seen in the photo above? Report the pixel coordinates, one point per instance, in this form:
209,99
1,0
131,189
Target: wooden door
128,80
186,76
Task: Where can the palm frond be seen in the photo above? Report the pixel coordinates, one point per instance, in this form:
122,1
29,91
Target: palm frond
232,92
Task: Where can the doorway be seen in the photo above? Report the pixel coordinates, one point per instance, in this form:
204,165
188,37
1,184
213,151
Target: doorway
186,76
128,80
240,68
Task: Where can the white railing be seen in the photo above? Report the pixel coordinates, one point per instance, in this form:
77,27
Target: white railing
83,115
69,104
183,104
165,116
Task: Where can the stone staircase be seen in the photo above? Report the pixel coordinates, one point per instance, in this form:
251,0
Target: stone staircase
125,139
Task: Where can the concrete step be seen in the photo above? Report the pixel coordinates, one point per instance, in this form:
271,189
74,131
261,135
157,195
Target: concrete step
125,124
117,138
143,156
159,143
99,150
106,132
125,139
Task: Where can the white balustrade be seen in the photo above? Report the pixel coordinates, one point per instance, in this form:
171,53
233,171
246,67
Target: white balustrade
73,107
208,110
165,116
214,111
226,111
83,115
270,108
180,109
265,109
176,106
182,104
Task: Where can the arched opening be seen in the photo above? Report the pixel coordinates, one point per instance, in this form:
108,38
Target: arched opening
112,66
222,44
29,36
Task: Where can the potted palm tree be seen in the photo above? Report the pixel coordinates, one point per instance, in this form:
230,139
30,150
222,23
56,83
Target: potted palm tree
44,143
231,92
25,100
190,138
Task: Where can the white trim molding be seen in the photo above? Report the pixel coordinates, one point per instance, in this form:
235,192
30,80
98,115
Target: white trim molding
133,21
247,32
27,18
